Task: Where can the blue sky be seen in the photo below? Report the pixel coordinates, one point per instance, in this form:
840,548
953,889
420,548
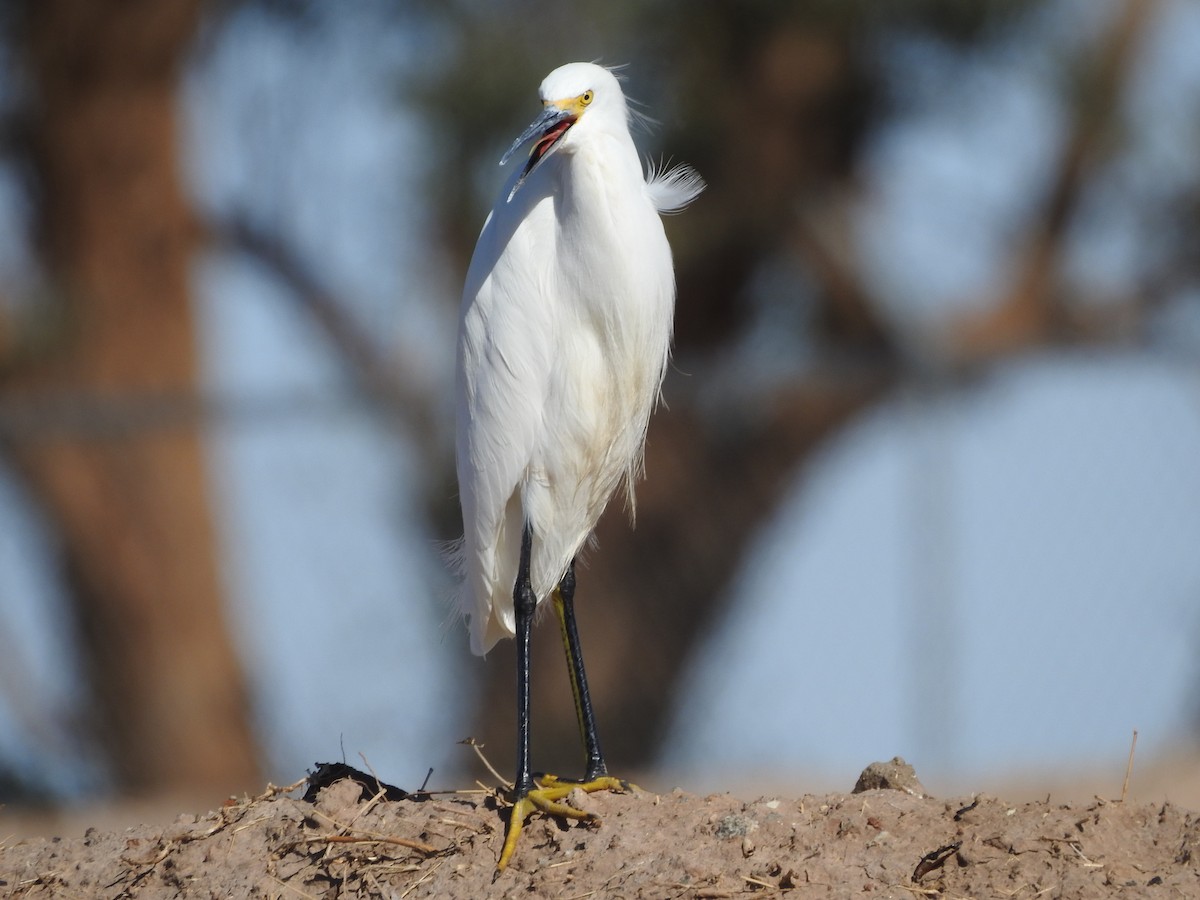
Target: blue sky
991,581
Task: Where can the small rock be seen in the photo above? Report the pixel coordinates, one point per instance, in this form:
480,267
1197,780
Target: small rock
735,825
895,775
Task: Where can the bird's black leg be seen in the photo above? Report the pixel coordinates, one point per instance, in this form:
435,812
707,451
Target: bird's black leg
564,605
549,793
524,604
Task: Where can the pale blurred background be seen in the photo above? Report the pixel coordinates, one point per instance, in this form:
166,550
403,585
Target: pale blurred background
927,479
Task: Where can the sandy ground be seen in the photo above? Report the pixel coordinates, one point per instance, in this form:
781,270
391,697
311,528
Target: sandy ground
347,840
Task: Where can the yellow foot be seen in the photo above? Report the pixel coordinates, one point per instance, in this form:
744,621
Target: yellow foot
548,797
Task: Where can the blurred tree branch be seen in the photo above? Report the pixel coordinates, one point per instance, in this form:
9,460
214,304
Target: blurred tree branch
1033,311
396,391
386,381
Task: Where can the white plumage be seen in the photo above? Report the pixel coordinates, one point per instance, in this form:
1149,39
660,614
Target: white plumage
564,336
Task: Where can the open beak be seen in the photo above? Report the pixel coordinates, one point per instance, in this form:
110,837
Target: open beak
549,129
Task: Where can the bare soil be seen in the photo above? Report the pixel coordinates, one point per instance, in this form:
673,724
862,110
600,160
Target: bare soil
885,842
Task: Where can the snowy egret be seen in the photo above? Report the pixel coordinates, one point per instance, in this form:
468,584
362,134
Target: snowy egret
564,336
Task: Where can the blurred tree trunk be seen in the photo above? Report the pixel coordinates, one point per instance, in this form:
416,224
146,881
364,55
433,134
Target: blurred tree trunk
130,501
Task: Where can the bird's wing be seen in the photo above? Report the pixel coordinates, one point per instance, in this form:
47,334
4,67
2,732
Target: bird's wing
671,190
504,363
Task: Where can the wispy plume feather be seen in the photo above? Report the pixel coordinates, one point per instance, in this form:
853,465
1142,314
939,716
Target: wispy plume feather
672,189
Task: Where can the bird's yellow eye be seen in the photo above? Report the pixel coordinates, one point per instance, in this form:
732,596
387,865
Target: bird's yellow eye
586,97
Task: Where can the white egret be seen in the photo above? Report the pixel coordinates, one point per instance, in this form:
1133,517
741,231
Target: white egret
564,336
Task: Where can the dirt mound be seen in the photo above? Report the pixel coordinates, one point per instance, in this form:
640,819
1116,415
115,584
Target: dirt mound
889,843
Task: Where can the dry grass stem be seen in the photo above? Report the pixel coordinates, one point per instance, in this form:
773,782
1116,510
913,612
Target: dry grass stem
478,748
1129,766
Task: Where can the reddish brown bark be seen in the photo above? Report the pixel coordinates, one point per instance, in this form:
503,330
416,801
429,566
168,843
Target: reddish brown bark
130,501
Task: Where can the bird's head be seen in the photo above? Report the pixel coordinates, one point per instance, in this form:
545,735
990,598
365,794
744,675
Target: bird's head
569,94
